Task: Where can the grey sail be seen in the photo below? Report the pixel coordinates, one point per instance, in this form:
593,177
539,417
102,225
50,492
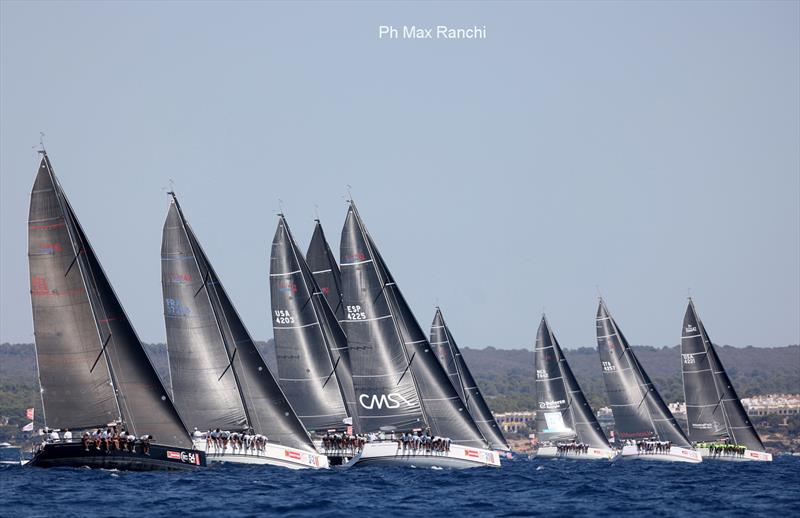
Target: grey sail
195,345
266,409
639,411
326,272
555,384
448,352
92,366
311,348
713,409
398,380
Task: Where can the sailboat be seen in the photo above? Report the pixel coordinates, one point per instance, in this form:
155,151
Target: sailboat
718,423
219,379
565,423
446,349
400,385
641,418
311,348
326,271
93,370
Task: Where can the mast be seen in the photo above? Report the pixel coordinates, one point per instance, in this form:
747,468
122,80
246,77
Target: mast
309,344
472,395
639,411
713,409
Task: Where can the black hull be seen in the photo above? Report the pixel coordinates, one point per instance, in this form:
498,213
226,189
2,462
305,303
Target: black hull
160,458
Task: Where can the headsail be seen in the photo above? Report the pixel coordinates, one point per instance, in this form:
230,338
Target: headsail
266,409
92,367
399,383
326,272
639,411
713,409
311,348
453,363
563,412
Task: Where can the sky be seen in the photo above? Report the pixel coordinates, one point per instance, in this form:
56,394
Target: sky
642,150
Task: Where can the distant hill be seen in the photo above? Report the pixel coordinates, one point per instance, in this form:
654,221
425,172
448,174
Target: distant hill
505,376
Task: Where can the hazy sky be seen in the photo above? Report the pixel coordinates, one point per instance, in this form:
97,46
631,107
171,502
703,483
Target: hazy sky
642,147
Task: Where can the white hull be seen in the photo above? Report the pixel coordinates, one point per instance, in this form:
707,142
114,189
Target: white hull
551,452
676,454
748,456
272,455
388,454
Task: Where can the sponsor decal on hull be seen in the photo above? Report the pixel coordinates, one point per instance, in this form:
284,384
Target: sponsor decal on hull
184,456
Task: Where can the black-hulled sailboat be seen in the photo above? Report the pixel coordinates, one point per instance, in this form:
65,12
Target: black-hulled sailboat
93,370
400,386
311,348
219,379
719,426
641,418
565,423
446,349
325,270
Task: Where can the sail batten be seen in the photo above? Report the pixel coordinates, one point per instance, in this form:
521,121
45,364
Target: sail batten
713,409
92,366
443,342
639,411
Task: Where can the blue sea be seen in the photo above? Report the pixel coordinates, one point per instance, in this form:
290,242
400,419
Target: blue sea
521,488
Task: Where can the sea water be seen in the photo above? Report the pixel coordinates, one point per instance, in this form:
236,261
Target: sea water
520,488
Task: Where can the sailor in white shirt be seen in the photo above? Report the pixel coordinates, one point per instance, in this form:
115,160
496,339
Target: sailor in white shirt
54,436
67,435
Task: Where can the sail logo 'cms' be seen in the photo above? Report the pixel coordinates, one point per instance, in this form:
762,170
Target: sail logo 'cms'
391,400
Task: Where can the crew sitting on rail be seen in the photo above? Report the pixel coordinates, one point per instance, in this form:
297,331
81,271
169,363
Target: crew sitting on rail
653,447
572,447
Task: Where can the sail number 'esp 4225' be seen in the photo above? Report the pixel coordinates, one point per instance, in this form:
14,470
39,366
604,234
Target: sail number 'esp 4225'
356,313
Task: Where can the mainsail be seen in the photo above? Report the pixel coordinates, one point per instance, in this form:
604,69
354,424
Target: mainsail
326,272
713,409
92,367
211,352
452,361
563,412
639,411
311,348
399,383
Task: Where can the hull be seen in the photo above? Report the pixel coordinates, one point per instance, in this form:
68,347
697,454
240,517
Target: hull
272,455
388,454
676,454
748,456
551,452
160,458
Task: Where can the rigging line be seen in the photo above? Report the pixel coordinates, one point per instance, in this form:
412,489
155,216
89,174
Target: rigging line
102,350
230,364
331,374
205,282
406,369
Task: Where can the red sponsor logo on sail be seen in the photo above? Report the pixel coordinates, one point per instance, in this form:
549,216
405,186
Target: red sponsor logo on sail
471,453
357,256
180,278
39,286
292,454
326,290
